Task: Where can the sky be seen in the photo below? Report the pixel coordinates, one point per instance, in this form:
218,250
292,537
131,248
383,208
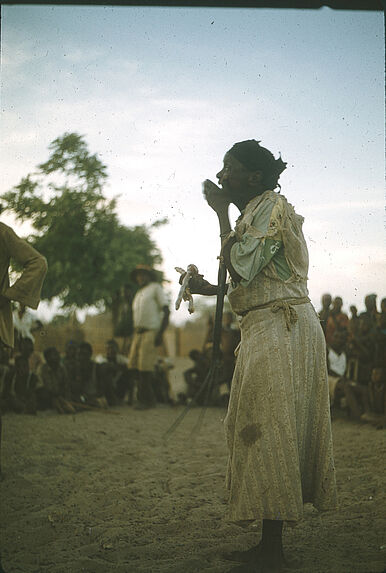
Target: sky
160,94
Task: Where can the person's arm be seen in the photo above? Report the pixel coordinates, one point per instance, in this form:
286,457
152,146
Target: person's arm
162,303
226,253
247,254
219,201
199,285
26,289
164,324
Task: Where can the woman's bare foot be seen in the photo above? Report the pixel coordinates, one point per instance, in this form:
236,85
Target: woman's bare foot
248,556
257,560
260,566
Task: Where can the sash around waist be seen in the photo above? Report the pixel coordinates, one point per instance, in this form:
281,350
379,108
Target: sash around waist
285,304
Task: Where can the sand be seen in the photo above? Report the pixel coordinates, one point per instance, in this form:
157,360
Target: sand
101,492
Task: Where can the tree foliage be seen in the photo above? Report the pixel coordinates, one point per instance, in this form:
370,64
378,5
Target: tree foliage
90,253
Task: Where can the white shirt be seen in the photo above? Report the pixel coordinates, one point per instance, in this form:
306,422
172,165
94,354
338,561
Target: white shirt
147,306
24,324
337,362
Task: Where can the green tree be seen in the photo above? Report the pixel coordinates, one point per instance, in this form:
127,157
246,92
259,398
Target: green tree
90,253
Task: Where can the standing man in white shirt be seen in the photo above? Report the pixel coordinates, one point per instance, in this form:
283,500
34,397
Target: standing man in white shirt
150,318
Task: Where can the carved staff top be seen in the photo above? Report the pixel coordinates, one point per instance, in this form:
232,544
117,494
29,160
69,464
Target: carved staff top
184,292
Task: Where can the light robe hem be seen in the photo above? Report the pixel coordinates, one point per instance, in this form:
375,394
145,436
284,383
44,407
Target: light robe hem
246,522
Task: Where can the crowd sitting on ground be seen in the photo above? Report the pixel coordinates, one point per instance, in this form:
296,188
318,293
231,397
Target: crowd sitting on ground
356,359
215,392
70,383
75,381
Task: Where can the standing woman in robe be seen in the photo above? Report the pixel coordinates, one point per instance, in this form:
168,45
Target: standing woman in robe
277,427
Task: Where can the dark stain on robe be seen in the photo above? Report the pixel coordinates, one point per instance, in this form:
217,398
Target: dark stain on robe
250,434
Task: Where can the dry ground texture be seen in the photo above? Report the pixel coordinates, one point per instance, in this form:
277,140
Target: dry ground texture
102,492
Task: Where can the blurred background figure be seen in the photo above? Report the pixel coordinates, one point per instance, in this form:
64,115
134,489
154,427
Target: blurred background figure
361,351
194,377
5,353
150,318
353,324
324,312
54,391
20,391
337,320
24,324
336,367
25,290
371,308
69,363
117,379
161,383
89,386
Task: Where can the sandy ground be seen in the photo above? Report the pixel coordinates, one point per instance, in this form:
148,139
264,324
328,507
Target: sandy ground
101,492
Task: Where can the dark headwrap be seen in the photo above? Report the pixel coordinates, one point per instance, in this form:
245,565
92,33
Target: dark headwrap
257,158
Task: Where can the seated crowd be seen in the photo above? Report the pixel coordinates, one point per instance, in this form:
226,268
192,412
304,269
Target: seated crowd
72,382
202,388
356,358
75,381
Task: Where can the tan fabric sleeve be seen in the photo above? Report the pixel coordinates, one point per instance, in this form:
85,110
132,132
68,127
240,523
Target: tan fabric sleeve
27,287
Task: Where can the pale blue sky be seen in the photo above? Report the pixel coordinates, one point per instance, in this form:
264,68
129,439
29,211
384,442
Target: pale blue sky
162,93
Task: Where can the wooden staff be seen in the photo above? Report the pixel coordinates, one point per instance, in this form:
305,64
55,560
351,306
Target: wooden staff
212,376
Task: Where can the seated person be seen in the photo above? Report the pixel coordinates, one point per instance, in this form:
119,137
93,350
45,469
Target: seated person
35,359
195,377
380,337
20,387
353,324
377,398
24,325
337,320
324,312
336,366
161,384
117,378
382,315
4,370
89,387
361,354
69,361
54,391
371,309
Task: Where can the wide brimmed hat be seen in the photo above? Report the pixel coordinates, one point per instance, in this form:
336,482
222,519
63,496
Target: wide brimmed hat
143,269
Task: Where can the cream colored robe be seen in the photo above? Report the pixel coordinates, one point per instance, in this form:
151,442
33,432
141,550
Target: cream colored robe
278,421
26,289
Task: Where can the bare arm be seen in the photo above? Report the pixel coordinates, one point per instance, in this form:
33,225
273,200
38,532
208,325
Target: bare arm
198,285
164,324
27,287
219,201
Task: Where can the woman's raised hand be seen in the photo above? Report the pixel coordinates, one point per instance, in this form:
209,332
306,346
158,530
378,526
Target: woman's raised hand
216,197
